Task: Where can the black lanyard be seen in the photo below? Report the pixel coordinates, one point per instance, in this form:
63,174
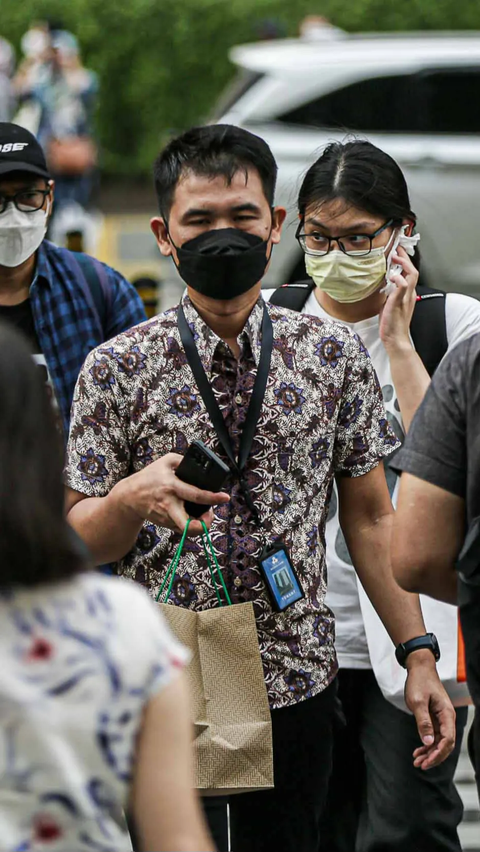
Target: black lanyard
254,408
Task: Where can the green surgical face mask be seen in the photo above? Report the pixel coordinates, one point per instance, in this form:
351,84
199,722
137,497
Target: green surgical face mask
348,277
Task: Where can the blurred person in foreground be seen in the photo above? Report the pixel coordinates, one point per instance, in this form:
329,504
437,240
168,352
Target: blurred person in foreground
64,302
316,413
436,540
94,714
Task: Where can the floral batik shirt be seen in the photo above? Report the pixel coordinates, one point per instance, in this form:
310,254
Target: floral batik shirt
322,415
80,661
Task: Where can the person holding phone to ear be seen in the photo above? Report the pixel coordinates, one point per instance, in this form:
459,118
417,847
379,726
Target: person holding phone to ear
358,233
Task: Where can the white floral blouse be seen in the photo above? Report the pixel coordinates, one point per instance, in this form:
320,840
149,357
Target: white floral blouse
80,660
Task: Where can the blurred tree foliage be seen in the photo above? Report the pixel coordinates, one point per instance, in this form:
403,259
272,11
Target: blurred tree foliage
162,64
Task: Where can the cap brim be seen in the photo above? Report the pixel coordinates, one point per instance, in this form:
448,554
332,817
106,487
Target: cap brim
17,166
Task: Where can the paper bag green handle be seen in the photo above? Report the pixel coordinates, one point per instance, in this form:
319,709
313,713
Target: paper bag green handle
206,537
170,575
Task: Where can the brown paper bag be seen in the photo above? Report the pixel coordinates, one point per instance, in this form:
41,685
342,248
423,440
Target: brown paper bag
232,724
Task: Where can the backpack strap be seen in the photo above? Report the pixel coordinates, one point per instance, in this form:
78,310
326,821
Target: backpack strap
429,327
94,276
292,296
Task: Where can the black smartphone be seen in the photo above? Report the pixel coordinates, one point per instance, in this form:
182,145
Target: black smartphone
204,469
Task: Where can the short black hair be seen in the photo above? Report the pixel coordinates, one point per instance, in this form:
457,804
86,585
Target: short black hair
213,150
36,543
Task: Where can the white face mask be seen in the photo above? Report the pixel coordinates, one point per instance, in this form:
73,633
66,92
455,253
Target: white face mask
20,234
348,277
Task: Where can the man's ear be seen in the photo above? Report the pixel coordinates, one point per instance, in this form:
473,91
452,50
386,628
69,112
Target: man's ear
51,197
278,218
160,232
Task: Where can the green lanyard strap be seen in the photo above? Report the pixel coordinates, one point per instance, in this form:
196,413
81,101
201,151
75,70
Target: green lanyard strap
212,563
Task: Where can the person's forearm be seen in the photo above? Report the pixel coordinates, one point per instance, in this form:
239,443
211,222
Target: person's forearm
436,580
166,808
399,611
428,534
107,525
410,379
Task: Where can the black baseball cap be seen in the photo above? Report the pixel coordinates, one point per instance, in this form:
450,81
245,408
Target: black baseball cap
20,151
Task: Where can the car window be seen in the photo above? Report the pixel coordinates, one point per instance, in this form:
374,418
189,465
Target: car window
452,97
380,104
437,101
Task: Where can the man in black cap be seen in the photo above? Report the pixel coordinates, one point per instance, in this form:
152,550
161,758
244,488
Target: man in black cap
65,303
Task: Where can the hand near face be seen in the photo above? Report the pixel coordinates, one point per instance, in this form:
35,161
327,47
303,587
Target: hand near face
396,314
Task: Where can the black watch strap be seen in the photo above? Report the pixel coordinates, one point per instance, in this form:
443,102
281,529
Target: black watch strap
429,640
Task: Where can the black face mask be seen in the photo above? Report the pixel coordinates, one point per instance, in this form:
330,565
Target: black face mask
223,263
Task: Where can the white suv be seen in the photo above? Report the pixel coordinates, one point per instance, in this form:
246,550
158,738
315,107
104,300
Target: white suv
417,96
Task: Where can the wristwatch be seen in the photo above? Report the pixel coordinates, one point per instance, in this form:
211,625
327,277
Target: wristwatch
429,641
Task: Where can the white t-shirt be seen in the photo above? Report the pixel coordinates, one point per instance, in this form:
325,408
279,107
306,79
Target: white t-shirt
462,320
80,660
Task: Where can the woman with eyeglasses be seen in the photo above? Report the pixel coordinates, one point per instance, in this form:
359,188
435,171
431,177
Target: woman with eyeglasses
357,230
94,718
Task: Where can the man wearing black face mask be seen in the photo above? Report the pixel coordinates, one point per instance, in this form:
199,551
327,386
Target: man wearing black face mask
288,401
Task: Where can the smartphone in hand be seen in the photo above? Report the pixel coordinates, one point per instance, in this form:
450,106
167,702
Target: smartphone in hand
394,268
204,469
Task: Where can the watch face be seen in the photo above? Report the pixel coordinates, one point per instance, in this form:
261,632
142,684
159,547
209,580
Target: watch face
435,645
429,641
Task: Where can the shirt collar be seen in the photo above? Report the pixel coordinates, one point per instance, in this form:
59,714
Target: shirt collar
207,341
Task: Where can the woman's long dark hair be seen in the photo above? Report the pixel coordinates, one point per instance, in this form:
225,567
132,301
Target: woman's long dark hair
36,543
363,176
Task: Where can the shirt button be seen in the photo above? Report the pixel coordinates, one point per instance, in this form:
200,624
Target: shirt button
238,519
239,399
237,582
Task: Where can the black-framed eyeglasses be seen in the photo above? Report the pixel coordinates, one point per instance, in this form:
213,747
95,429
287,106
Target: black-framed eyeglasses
317,244
26,200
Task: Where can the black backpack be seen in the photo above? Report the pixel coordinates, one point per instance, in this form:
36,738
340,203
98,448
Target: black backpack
428,327
98,285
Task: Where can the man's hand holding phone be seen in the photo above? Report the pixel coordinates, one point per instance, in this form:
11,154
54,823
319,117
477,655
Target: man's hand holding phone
156,494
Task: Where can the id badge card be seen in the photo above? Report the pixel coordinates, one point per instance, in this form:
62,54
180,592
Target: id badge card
280,578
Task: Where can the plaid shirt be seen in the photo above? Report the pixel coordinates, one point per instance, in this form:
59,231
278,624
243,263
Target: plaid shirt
66,321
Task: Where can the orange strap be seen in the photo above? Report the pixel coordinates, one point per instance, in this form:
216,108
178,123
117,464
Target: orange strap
461,664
